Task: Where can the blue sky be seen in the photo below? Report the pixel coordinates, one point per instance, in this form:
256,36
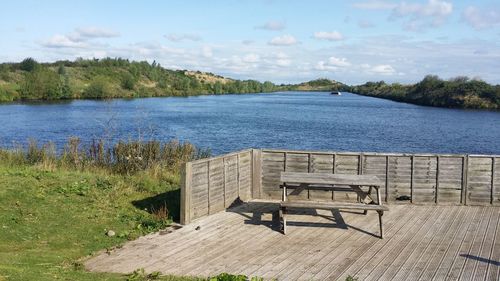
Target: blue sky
281,41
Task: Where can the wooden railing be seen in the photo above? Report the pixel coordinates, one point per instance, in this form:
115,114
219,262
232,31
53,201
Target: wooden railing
211,185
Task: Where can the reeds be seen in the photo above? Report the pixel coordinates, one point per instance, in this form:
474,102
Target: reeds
123,157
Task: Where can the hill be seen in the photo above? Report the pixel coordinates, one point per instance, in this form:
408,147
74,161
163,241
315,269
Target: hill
112,78
321,84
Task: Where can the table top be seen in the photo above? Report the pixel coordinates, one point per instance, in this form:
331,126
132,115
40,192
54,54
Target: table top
324,178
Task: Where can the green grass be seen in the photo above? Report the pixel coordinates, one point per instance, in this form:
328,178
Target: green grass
51,218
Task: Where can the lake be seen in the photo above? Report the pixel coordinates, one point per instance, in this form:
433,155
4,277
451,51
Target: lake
291,120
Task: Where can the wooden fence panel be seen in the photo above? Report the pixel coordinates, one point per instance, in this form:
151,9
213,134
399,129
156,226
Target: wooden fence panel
245,175
496,181
424,179
212,185
450,180
273,163
376,165
399,177
479,180
231,192
199,190
346,165
321,163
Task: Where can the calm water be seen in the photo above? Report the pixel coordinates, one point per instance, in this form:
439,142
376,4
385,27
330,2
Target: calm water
309,121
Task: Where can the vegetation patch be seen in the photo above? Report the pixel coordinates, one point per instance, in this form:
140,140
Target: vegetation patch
57,207
460,92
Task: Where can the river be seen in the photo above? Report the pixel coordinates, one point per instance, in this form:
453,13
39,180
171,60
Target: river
291,120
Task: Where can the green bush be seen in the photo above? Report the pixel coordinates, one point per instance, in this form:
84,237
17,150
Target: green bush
100,87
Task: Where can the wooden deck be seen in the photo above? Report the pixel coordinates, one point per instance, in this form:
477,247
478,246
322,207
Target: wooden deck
421,243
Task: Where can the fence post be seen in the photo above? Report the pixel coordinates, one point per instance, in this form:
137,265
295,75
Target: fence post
465,170
186,179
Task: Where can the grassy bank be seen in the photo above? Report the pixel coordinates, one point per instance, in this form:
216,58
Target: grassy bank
57,208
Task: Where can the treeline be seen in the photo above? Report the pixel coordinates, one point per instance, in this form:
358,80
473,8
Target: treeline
111,78
459,92
121,78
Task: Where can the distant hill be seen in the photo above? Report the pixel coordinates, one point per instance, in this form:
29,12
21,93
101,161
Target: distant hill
112,78
321,84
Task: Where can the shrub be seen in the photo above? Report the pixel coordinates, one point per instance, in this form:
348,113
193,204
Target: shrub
128,81
98,88
41,84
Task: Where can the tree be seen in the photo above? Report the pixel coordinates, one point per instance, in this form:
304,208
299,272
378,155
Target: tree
41,84
61,70
28,64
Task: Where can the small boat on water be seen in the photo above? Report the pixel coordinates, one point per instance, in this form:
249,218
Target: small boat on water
336,93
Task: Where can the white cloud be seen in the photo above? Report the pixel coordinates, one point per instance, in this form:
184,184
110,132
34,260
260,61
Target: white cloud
78,38
481,19
176,37
206,51
332,64
421,16
247,42
95,32
284,40
251,58
272,25
383,69
374,5
62,41
330,36
279,59
283,62
340,62
365,24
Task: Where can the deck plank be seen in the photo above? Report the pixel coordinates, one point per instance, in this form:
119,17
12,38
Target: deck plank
454,247
494,269
481,269
339,249
470,263
402,249
441,249
415,221
417,260
406,268
422,242
458,262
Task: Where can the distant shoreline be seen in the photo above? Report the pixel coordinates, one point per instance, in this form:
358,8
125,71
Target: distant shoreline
106,79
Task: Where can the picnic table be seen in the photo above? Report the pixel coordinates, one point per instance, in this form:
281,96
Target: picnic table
331,182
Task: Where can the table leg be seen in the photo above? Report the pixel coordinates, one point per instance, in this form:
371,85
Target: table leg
284,220
380,214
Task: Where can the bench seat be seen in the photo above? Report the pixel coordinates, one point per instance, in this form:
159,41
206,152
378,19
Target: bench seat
310,204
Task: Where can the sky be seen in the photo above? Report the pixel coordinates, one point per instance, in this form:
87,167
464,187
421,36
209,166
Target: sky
268,40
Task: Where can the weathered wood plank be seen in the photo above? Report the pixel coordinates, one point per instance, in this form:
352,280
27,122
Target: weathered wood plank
323,178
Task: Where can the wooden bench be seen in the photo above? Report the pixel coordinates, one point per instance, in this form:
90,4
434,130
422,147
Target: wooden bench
321,181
